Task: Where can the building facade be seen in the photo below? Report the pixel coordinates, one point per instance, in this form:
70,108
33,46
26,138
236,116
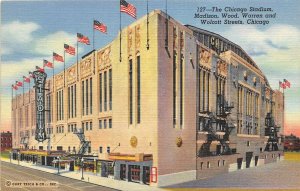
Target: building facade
173,103
6,141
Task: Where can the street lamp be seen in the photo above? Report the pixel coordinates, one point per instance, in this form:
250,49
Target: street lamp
58,165
95,167
82,169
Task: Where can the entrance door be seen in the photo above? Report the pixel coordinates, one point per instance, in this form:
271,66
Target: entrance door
146,175
248,158
219,149
123,171
239,163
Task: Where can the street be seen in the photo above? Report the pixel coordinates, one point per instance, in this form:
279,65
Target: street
281,175
11,173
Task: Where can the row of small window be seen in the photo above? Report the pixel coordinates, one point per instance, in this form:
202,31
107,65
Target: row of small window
60,129
50,130
103,123
6,145
72,127
220,163
5,138
101,149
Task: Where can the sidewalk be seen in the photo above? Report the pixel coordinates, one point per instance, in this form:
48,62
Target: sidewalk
88,177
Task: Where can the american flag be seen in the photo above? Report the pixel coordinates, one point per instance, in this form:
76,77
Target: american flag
48,64
69,49
127,8
39,69
57,57
26,79
83,39
287,83
19,83
14,87
31,75
100,26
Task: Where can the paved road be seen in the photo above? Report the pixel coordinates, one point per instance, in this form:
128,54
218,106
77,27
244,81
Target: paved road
283,174
12,173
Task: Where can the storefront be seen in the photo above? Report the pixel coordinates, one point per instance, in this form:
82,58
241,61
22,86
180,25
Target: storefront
132,168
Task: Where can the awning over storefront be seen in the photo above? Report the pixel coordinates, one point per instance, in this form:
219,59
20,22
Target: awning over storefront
42,152
138,157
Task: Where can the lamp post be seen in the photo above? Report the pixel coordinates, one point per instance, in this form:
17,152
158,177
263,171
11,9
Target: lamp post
95,167
18,158
58,165
82,169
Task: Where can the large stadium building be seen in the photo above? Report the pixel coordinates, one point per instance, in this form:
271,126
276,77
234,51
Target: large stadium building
174,103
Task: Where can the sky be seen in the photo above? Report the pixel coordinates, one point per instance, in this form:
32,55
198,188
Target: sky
32,30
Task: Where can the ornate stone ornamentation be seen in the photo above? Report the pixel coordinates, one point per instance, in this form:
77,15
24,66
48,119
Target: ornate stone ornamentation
137,37
86,67
129,39
222,68
205,58
175,41
178,141
267,92
59,80
103,58
133,141
71,73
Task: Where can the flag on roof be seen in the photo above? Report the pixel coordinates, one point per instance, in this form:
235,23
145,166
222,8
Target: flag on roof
127,8
100,26
19,83
83,39
48,64
287,83
57,57
15,87
69,49
39,69
26,79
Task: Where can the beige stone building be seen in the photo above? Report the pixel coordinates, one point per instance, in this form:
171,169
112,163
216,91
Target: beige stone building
178,103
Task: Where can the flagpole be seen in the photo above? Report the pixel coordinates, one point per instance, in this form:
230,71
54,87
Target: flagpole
94,45
23,91
64,67
147,26
120,35
77,60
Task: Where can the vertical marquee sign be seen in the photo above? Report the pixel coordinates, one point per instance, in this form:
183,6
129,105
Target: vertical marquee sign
39,81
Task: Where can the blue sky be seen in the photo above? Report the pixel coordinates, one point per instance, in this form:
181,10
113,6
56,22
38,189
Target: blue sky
33,29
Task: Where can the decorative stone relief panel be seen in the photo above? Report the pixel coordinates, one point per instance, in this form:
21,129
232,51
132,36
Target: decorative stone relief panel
104,60
59,80
86,67
71,74
137,37
129,39
205,57
222,68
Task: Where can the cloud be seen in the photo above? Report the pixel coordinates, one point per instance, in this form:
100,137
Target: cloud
54,42
17,36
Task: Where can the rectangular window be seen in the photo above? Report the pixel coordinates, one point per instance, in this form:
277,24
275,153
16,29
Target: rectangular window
75,101
108,149
110,123
69,103
91,95
110,88
91,125
56,106
100,124
105,125
105,91
100,92
138,70
72,102
62,104
174,89
82,96
87,126
130,92
100,149
87,96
